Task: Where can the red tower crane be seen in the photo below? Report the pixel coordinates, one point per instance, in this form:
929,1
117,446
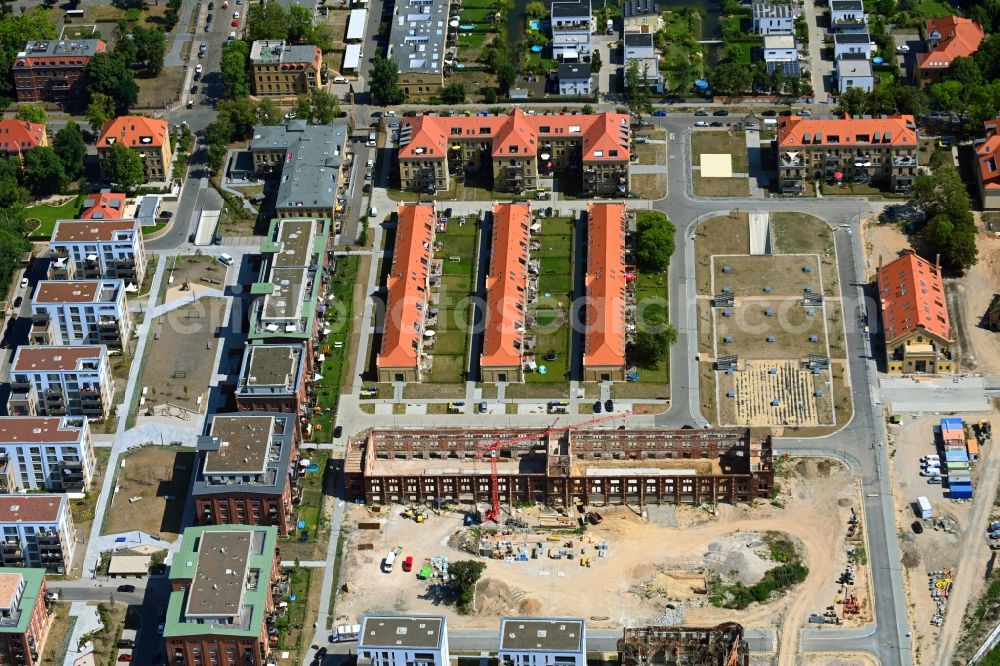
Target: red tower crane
493,512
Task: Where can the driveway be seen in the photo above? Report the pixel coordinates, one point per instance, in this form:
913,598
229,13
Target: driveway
820,69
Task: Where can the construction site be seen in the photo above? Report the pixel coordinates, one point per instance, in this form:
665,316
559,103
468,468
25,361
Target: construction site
558,467
716,646
665,564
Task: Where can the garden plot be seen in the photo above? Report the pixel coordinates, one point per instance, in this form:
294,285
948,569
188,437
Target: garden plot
549,311
450,311
775,392
766,275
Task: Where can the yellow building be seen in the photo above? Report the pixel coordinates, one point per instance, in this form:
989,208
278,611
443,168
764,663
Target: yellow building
146,136
282,70
915,317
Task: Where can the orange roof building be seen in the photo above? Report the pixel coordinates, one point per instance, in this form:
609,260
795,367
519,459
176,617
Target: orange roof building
147,136
517,148
18,136
604,349
948,37
403,332
918,337
988,162
103,206
864,150
506,294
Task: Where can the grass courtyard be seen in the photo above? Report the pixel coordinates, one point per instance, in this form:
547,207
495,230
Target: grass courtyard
335,346
456,249
718,143
548,317
46,216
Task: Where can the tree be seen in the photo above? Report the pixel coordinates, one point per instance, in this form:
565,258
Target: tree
15,30
654,241
268,21
949,95
595,61
506,76
637,92
100,110
453,93
215,155
300,25
219,132
881,101
12,195
730,79
384,83
324,106
32,113
43,172
984,103
536,10
233,66
966,72
910,99
71,149
241,115
303,108
950,231
322,36
988,57
267,112
649,348
853,101
151,47
109,75
463,576
124,167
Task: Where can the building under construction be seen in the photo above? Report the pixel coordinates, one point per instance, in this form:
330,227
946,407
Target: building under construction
563,468
684,646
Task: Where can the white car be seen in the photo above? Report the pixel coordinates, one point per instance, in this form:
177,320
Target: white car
701,123
198,68
236,16
930,459
371,163
24,283
930,471
903,49
340,79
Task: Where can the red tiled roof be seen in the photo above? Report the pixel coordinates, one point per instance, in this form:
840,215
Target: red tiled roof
605,283
40,429
895,130
97,231
17,135
103,206
30,508
959,38
407,286
602,133
134,132
988,155
49,358
912,296
506,286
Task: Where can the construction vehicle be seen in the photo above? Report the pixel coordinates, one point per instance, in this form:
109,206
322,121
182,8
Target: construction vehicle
493,511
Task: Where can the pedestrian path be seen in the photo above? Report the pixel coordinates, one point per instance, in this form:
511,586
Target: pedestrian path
88,620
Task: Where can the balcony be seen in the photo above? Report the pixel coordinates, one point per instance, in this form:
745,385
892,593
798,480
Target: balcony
904,160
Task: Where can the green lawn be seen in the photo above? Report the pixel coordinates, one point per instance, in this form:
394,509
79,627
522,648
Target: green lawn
150,230
48,215
551,311
744,52
328,388
290,623
451,340
932,9
720,142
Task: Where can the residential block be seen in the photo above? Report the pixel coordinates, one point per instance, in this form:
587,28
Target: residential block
146,136
48,453
61,381
98,249
38,531
52,70
80,312
24,616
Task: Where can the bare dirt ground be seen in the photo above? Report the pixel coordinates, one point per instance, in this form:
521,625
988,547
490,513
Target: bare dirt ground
159,476
188,276
969,296
882,241
960,547
652,564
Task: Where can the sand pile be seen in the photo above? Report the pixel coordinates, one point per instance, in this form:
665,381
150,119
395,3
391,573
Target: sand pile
736,559
494,598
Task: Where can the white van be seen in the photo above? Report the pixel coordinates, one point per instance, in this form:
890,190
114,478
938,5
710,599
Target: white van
345,633
226,259
389,562
373,212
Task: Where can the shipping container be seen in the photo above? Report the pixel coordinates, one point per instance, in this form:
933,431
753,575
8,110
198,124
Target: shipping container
924,507
960,491
956,455
972,448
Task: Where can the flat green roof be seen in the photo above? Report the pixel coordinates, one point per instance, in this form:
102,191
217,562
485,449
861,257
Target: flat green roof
213,570
289,288
33,579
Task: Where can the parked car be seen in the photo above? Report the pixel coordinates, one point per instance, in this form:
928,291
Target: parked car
208,19
24,283
211,6
934,479
236,15
124,657
235,23
917,527
367,188
597,407
995,525
930,471
126,643
715,123
701,112
408,563
227,259
609,405
18,301
770,113
720,112
660,114
930,458
701,123
126,588
902,48
340,79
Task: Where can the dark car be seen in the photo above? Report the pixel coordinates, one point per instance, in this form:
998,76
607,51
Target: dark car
770,113
609,405
376,114
337,432
367,188
211,6
701,112
126,643
126,588
194,90
917,527
660,113
17,302
166,214
208,19
321,652
715,123
721,112
597,407
786,113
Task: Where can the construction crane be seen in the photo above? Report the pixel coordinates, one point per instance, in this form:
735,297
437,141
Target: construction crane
493,512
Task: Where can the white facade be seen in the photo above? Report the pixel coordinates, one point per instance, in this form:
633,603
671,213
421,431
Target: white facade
774,19
541,641
847,16
404,640
571,29
100,249
855,73
61,381
80,312
780,48
638,45
846,43
38,531
48,453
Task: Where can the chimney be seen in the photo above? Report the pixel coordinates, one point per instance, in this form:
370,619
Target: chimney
937,261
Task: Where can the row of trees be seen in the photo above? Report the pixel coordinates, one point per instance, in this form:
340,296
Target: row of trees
972,85
654,243
734,78
295,25
949,229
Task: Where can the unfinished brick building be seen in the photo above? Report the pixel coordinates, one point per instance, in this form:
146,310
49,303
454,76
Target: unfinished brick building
568,468
691,646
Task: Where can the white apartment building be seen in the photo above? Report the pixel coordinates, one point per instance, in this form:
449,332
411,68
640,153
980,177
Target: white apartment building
38,531
845,43
61,381
80,312
571,28
543,641
48,453
848,16
98,250
403,640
